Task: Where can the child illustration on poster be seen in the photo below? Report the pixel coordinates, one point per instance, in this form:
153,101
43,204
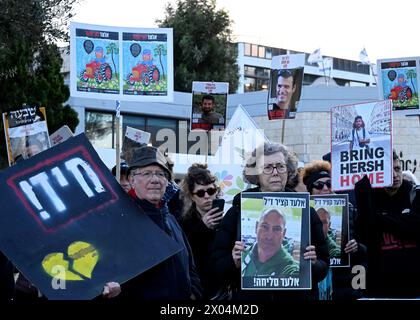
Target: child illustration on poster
145,66
399,79
97,61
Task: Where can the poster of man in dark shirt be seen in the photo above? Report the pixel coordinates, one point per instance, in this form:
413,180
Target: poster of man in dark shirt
209,105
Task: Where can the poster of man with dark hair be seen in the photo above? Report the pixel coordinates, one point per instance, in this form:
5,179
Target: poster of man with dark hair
209,105
286,79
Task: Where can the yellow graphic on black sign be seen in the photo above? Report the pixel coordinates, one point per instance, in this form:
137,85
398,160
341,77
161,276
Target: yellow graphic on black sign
83,258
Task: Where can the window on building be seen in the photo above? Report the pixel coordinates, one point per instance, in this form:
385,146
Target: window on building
99,129
250,84
250,71
261,52
154,125
268,53
133,121
247,49
254,50
256,78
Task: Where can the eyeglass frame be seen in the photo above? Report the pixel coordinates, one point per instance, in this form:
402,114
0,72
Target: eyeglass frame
276,166
152,174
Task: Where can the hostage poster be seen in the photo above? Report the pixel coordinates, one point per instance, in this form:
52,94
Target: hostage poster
26,132
209,102
399,82
120,63
69,227
332,210
361,144
286,78
275,229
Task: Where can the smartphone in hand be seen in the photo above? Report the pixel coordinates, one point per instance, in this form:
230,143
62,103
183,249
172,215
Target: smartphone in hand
218,203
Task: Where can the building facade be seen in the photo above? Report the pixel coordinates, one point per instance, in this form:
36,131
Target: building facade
309,134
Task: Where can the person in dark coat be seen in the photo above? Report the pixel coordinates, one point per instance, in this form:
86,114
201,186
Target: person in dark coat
270,167
317,178
7,281
388,223
176,277
199,221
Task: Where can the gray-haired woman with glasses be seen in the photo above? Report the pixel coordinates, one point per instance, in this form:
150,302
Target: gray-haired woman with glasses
273,168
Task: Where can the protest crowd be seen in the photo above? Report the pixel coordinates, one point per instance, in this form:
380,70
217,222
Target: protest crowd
383,239
341,228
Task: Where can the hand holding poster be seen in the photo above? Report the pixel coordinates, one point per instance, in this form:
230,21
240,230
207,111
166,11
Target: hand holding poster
361,144
286,79
26,132
275,228
333,212
209,105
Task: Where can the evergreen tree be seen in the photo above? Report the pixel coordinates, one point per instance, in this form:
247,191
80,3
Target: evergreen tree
203,48
30,60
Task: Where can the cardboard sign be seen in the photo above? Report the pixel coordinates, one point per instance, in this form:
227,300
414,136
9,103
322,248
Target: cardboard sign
333,210
26,132
68,226
61,135
361,144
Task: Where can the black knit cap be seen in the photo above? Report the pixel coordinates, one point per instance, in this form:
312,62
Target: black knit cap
309,180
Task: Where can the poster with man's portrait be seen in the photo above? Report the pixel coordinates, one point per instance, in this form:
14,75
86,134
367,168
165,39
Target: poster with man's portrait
26,132
286,79
361,144
332,210
398,80
275,231
209,102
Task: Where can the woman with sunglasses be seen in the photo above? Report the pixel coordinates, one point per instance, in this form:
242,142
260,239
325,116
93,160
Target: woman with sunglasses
317,178
199,220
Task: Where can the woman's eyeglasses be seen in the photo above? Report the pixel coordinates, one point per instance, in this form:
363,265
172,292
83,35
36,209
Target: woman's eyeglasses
209,191
280,167
320,184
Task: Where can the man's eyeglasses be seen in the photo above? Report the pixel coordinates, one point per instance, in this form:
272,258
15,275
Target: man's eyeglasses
280,167
320,184
149,174
210,191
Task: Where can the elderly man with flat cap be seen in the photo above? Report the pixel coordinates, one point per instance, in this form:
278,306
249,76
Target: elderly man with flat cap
176,277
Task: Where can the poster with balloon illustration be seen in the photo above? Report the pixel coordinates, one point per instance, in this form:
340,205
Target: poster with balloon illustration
69,227
119,63
398,81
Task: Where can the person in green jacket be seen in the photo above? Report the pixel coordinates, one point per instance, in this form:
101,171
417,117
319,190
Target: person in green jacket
333,248
267,257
